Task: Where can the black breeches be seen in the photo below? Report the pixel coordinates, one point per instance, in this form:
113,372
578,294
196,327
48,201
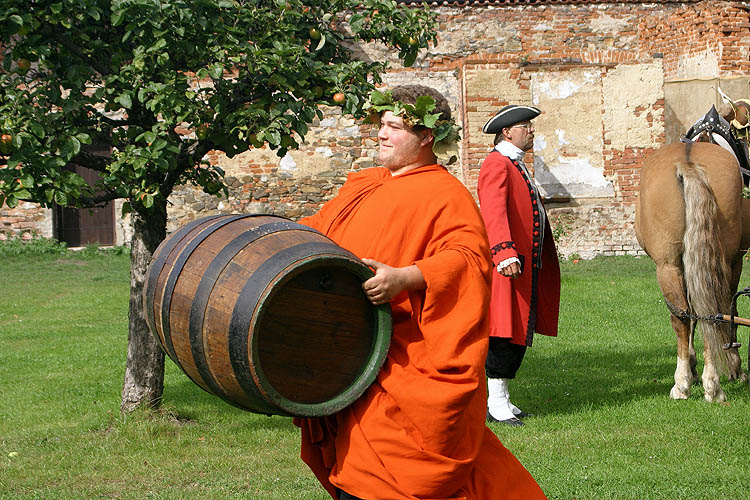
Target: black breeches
503,358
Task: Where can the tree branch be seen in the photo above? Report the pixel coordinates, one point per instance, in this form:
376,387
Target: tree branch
116,123
99,200
92,161
73,48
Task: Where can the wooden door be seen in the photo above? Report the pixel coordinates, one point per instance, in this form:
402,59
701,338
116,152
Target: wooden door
86,226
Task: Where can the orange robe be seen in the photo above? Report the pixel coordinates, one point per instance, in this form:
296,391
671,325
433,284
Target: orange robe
418,432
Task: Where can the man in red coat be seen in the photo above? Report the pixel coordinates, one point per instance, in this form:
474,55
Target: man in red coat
526,284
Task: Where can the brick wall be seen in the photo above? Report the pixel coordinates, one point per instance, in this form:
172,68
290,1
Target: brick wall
596,70
25,221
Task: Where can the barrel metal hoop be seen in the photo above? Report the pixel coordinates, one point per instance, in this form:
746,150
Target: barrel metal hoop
206,286
174,274
157,265
247,301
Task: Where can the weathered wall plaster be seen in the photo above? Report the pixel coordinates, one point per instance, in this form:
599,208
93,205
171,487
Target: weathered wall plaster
701,64
629,92
568,159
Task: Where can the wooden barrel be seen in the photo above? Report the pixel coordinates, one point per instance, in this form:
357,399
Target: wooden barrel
267,314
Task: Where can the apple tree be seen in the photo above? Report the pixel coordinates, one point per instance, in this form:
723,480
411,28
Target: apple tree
160,83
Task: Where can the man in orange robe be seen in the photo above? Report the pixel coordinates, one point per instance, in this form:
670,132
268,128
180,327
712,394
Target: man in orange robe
418,432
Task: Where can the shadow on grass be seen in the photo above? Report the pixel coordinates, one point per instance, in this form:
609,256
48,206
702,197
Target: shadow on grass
569,382
191,401
548,384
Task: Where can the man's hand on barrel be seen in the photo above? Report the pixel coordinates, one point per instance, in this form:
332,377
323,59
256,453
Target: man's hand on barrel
390,281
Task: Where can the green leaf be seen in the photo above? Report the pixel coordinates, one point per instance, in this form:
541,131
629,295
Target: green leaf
37,130
216,71
377,98
75,145
158,145
117,17
424,104
60,198
160,44
124,100
273,137
430,120
410,58
56,8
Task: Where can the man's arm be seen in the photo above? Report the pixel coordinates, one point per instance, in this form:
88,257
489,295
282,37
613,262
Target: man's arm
390,281
493,187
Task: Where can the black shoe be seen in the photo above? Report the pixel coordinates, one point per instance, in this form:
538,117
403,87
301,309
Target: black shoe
523,414
513,422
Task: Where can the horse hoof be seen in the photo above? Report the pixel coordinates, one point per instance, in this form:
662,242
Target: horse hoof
738,375
716,397
678,393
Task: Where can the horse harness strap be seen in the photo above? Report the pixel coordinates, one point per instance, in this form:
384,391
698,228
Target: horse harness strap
712,123
684,316
744,171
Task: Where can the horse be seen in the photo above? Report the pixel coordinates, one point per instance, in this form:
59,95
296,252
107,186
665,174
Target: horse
692,221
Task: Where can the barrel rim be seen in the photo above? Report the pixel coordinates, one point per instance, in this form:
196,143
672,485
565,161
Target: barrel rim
368,372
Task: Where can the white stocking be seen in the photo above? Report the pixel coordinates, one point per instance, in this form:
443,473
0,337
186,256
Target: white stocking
498,401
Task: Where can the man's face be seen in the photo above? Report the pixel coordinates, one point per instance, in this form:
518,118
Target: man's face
400,146
521,135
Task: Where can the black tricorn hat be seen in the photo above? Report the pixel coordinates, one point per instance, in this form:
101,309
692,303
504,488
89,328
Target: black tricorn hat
509,116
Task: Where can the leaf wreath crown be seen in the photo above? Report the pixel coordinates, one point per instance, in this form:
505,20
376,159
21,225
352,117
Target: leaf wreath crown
445,132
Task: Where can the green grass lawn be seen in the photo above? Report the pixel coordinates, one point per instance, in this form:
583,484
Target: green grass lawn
604,428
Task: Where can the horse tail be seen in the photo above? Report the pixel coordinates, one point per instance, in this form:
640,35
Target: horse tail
706,270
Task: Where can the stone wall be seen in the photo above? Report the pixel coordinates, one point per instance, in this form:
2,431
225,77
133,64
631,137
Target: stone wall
597,71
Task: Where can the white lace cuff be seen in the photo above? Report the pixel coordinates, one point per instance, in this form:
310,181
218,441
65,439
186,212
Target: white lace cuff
506,263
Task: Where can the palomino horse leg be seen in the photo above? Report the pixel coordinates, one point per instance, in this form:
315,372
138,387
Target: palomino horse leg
670,281
706,265
693,359
687,220
712,391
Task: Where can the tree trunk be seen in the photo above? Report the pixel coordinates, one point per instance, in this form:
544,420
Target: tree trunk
144,372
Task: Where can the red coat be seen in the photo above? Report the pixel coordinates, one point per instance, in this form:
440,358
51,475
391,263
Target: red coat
512,215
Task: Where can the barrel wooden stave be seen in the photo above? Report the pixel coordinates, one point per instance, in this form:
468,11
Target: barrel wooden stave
218,316
286,364
188,277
